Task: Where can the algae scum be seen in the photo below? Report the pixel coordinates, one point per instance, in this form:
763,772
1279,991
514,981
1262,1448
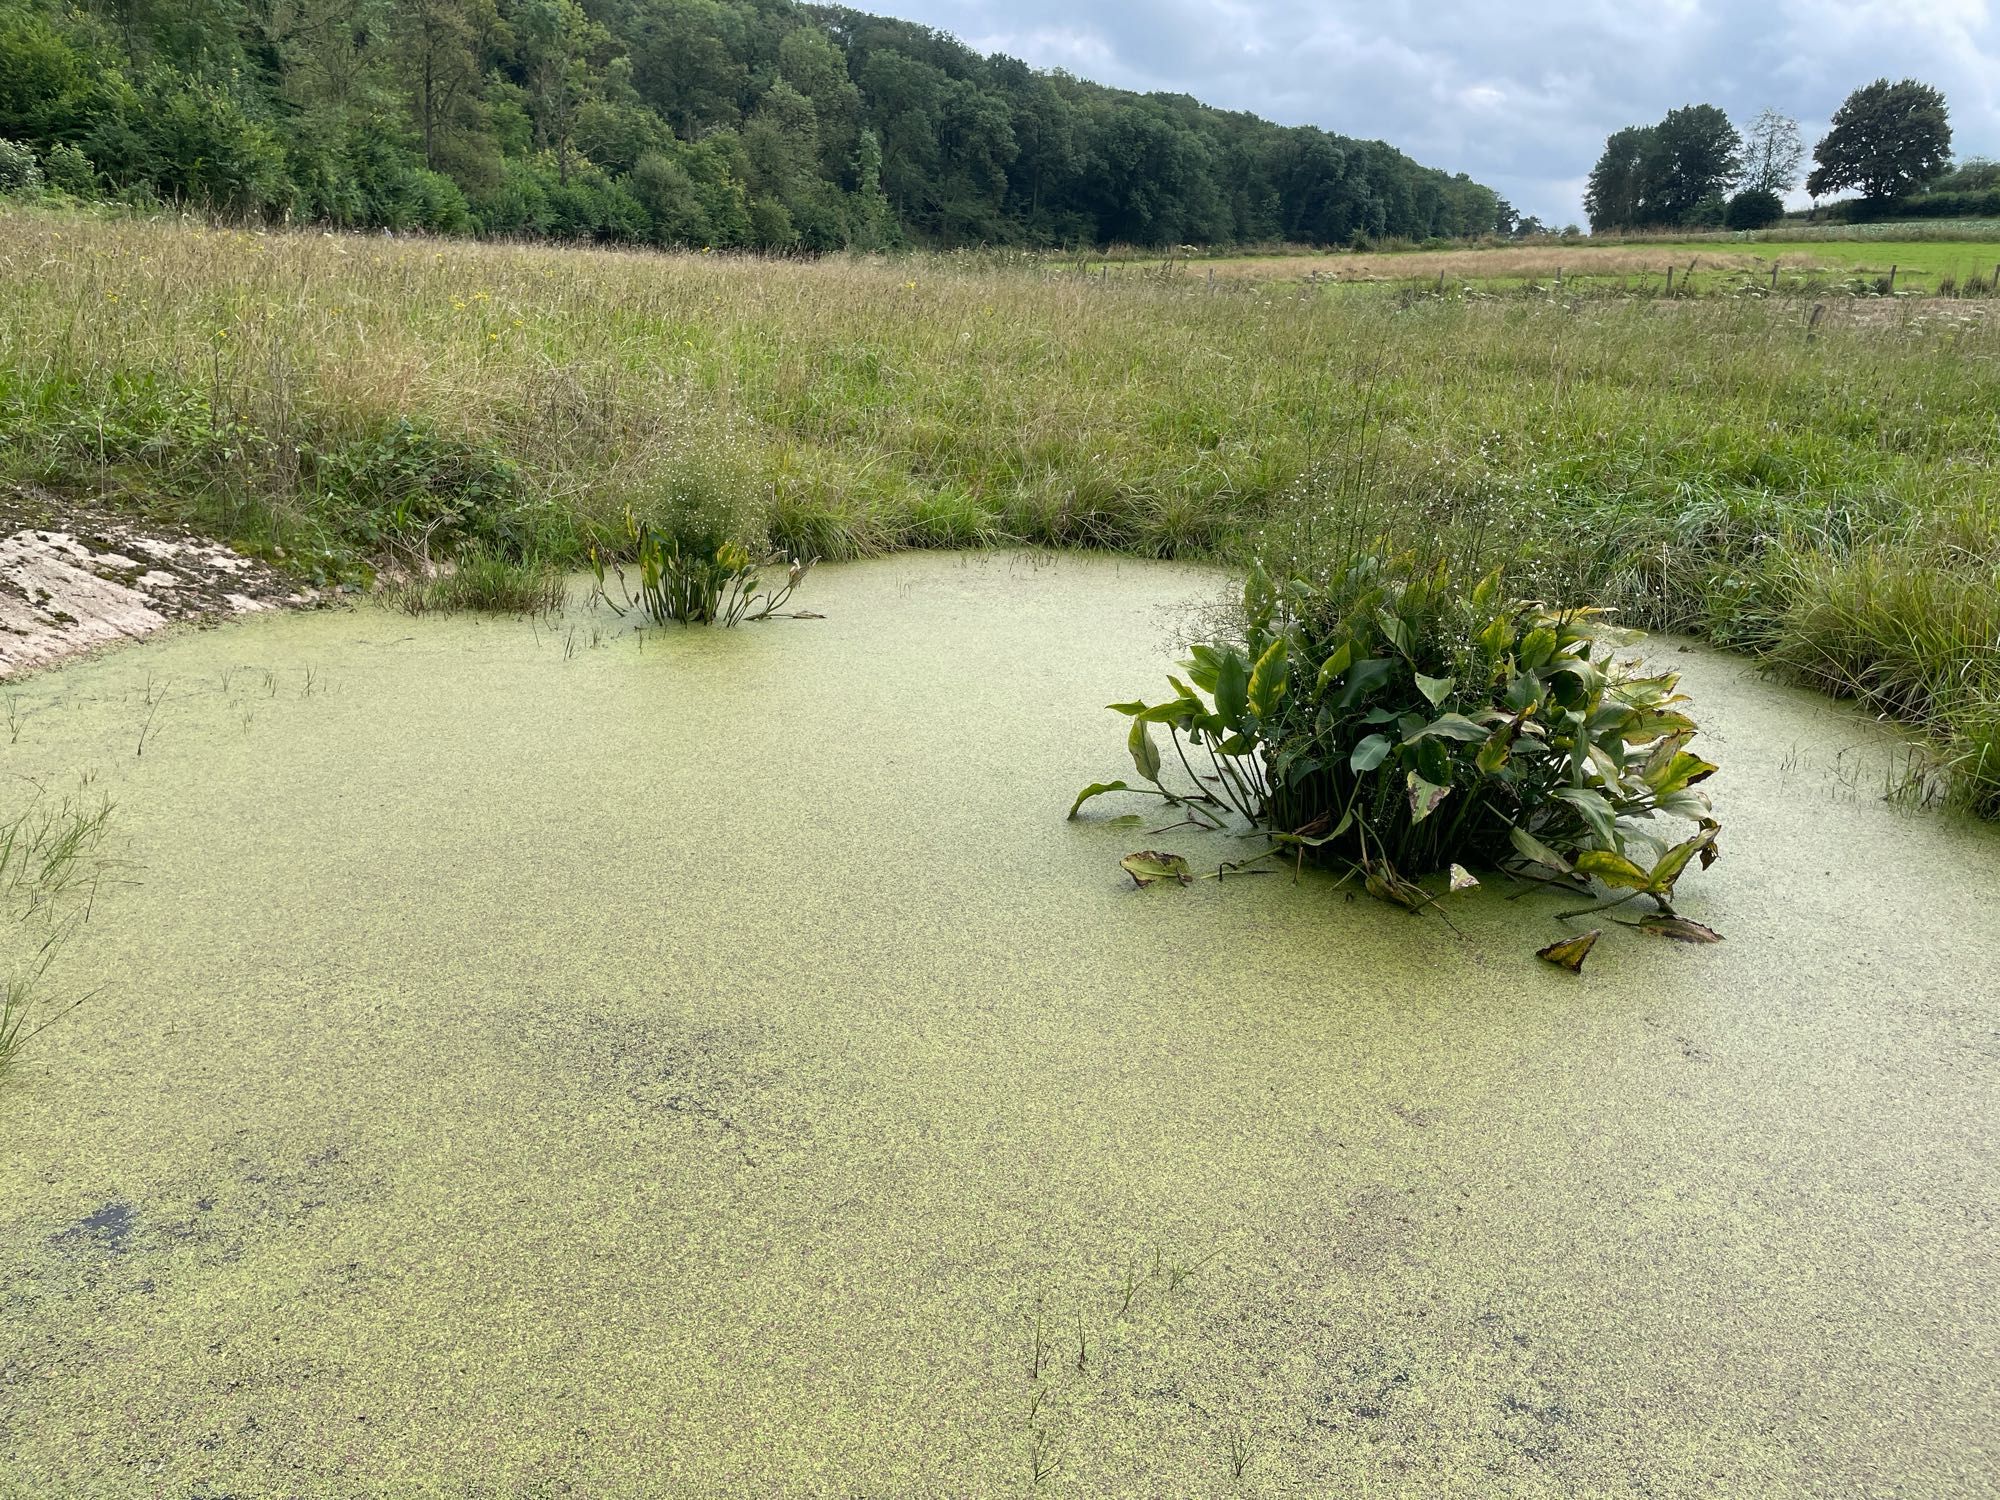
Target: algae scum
548,1060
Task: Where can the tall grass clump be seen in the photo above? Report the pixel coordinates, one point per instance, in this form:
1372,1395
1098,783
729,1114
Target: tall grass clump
481,581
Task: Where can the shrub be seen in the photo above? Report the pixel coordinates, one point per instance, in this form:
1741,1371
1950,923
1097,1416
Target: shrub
1395,715
70,171
1710,213
1754,208
404,486
20,172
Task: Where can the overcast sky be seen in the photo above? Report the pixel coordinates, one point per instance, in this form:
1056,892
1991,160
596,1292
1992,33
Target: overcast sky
1519,96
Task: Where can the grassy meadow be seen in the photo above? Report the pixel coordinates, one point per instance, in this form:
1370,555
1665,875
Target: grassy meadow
1821,488
1733,264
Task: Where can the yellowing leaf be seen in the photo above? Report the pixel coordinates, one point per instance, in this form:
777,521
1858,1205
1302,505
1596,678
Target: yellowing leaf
1613,869
1268,678
1570,952
1149,865
1680,929
1424,797
1462,879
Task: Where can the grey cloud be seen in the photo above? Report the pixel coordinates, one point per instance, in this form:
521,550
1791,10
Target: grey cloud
1520,97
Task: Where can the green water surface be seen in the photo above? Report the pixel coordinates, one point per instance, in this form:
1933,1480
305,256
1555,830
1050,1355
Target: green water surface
543,1060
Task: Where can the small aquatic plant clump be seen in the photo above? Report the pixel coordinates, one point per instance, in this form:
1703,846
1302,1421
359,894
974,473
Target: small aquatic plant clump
1397,715
697,578
49,873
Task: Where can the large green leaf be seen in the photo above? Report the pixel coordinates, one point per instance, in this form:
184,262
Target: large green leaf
1524,692
1370,753
1537,648
1145,754
1268,679
1435,689
1331,669
1096,789
1537,852
1498,748
1396,629
1449,727
1232,689
1366,675
1675,860
1649,726
1683,771
1497,637
1203,664
1595,808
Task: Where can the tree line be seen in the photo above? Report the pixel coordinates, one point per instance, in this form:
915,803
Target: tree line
1694,169
719,123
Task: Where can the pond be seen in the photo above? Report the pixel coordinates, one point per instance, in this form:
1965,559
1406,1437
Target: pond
544,1058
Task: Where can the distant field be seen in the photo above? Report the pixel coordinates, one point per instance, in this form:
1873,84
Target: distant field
1717,264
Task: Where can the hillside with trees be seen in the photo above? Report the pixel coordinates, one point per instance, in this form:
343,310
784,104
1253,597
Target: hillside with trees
719,123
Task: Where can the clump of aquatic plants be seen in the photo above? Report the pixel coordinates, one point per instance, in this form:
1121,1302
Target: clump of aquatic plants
1402,713
697,576
49,873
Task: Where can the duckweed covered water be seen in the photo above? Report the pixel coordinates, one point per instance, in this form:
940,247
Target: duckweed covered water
545,1060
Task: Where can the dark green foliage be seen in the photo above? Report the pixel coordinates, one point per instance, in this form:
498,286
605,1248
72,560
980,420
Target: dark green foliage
1665,175
1390,710
1615,197
1754,208
1888,140
1962,205
1976,174
716,123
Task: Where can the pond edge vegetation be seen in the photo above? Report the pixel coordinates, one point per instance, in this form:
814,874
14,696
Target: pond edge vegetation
1819,492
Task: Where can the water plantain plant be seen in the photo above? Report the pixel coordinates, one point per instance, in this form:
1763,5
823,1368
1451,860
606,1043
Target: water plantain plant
698,578
1402,716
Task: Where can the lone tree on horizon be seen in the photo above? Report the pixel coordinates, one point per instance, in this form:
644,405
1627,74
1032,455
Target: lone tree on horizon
1887,140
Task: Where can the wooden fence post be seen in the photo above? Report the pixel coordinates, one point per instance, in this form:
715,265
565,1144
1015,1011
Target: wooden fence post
1892,281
